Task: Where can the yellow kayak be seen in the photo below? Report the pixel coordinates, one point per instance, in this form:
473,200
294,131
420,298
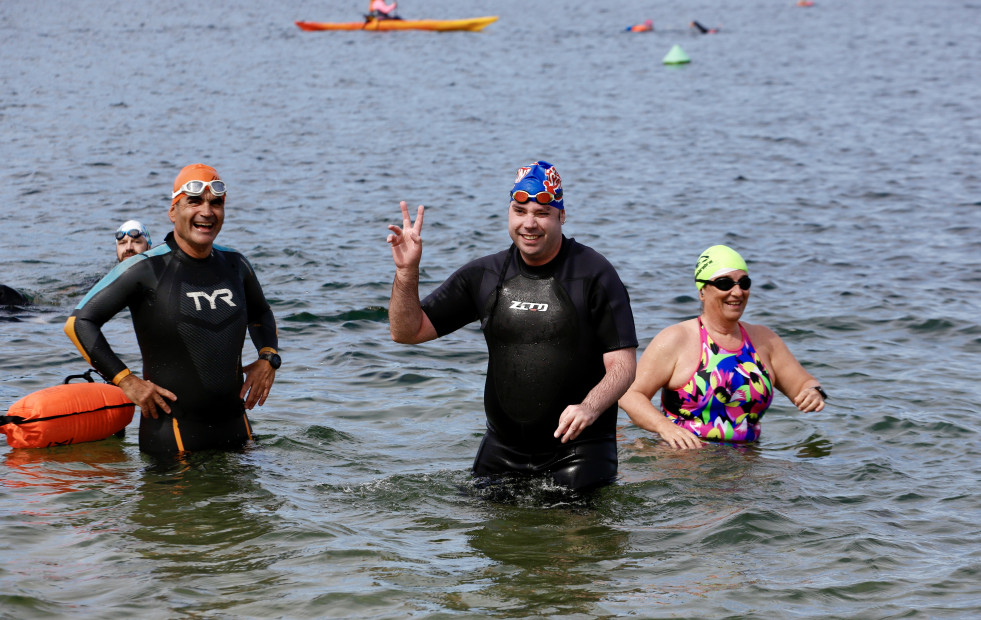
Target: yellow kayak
474,24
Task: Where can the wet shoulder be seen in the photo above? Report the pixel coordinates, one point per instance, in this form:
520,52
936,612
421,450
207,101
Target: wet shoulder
491,262
760,336
679,335
584,260
225,249
233,256
129,271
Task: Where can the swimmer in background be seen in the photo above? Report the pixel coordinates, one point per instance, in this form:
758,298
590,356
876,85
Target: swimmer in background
11,297
715,373
132,238
647,26
702,29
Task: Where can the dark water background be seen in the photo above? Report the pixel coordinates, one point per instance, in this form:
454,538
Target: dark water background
837,147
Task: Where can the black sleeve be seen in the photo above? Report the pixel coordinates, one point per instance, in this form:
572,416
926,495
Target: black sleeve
454,303
262,323
106,299
610,310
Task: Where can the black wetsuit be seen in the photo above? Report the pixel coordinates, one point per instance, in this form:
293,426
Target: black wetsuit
190,317
11,297
546,330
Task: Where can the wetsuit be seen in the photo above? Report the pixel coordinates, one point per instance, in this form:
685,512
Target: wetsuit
726,396
702,29
11,297
547,329
190,316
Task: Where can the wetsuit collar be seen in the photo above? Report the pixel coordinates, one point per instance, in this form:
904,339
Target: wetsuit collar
174,246
546,270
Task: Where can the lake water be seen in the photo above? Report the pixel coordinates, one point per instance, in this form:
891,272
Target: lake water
836,147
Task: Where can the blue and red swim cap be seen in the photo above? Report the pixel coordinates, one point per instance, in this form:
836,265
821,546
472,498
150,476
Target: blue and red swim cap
540,176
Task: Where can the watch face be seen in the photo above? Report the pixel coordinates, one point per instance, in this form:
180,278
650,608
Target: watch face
274,360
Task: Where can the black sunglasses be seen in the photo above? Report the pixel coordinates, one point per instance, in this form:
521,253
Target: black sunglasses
726,283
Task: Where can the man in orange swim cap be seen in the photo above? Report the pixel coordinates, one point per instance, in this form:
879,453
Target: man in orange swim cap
197,209
192,303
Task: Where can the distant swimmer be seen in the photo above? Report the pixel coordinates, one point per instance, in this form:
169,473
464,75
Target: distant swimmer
805,3
132,238
192,303
647,26
378,9
11,297
702,29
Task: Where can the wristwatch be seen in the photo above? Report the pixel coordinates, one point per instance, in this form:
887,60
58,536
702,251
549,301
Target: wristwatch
273,358
817,388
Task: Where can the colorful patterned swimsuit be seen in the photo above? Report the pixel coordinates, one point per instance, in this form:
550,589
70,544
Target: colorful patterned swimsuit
726,397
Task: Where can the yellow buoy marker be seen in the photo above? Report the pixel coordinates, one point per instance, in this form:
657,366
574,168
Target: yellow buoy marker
676,56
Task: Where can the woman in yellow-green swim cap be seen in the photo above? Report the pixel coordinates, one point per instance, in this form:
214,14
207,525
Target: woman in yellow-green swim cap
716,373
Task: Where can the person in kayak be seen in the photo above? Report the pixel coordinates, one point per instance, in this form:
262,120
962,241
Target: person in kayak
191,302
378,9
716,373
559,332
132,238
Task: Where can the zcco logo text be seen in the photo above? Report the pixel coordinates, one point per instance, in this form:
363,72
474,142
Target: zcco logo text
527,305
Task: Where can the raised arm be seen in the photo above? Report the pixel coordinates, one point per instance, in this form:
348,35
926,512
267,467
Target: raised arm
655,369
407,322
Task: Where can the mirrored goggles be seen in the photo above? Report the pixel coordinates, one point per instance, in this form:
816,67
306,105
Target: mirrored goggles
135,233
196,188
542,198
726,283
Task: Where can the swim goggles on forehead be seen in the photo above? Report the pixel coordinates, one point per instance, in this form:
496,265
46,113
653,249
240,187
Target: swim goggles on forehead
726,283
135,233
196,188
542,198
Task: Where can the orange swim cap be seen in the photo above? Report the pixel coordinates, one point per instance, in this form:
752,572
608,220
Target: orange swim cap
194,172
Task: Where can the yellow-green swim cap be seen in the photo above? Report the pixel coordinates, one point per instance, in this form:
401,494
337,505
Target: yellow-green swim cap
717,260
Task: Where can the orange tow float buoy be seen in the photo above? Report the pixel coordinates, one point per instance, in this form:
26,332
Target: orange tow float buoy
67,414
